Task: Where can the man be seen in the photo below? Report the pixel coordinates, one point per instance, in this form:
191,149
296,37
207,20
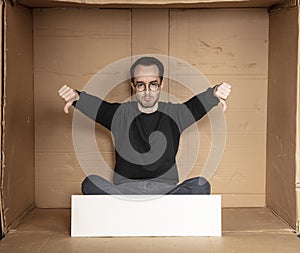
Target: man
146,133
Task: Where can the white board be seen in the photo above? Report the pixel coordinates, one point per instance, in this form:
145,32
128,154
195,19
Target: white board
144,215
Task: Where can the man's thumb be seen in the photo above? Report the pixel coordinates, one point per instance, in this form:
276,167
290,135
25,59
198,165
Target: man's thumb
224,105
67,106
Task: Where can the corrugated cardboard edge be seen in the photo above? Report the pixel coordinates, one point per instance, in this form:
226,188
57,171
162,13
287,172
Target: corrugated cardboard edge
298,137
284,5
1,78
298,209
151,4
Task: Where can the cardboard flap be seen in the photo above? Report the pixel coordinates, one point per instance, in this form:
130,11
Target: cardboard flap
155,3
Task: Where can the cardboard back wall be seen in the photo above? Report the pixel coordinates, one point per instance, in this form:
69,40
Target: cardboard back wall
71,45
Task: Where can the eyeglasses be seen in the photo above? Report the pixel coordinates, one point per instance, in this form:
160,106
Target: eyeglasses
152,86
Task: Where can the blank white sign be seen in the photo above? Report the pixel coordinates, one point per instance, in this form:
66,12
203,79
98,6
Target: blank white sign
144,215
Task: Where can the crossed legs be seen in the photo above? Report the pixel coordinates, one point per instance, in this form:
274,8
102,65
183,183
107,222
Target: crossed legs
96,185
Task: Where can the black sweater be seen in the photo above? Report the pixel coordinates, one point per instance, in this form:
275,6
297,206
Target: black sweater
146,144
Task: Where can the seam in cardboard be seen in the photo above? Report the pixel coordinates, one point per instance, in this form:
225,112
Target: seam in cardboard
20,218
281,231
282,218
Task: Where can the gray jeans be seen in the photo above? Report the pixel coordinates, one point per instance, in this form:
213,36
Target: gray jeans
96,185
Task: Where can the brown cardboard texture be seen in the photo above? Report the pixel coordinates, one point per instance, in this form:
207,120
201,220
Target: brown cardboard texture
282,104
18,126
228,56
70,34
80,43
48,47
244,230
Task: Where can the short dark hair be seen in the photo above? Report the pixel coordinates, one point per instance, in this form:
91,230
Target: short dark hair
147,61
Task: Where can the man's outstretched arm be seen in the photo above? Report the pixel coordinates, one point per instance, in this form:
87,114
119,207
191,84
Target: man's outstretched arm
93,107
201,104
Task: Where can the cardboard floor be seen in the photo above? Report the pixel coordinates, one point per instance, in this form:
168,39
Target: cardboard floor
244,230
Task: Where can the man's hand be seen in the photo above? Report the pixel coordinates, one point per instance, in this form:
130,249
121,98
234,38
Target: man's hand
222,91
69,96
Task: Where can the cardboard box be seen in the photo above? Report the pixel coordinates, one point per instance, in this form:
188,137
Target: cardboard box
248,43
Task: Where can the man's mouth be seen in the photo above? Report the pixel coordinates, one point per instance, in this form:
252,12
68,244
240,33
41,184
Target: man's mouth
147,98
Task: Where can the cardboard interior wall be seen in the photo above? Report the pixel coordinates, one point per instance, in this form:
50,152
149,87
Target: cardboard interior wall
70,45
282,112
18,128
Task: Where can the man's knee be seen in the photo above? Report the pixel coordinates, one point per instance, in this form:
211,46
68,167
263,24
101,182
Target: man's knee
89,184
203,182
196,186
85,185
200,185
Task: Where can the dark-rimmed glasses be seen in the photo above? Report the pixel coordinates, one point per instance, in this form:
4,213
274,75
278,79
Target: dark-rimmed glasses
152,86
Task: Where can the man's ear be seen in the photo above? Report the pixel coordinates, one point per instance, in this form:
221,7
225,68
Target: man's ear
132,85
162,84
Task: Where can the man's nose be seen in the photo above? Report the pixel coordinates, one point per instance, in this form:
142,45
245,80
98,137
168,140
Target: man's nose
147,90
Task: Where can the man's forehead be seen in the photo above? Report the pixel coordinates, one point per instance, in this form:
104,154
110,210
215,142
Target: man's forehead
141,71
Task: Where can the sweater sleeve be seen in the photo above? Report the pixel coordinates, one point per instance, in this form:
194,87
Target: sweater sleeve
96,109
195,108
202,103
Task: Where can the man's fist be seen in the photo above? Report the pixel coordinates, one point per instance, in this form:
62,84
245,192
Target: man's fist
69,96
222,91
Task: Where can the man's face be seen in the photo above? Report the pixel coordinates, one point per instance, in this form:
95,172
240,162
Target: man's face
147,77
